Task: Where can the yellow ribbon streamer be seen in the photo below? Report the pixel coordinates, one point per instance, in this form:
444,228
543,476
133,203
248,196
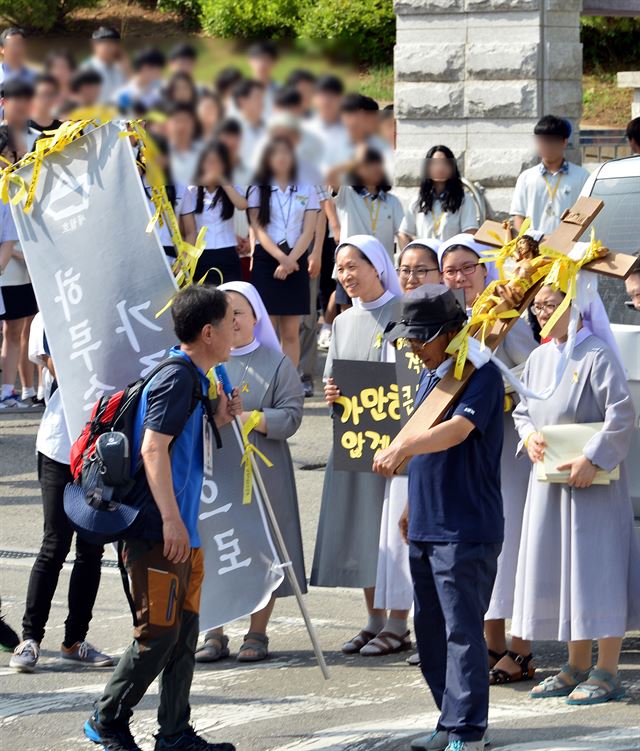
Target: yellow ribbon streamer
500,256
249,449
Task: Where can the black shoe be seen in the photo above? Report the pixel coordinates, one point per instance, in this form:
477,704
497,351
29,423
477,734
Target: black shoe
114,738
307,386
9,640
189,740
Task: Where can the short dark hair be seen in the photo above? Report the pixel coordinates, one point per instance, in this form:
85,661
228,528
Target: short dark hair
16,88
106,34
369,104
150,57
555,127
633,130
287,96
12,31
194,307
263,48
85,77
62,55
245,88
227,78
353,103
229,126
330,84
183,51
46,78
300,75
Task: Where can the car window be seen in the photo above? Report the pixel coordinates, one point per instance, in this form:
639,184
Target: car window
618,227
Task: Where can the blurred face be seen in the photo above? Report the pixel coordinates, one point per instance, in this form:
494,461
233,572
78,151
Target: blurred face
60,69
262,67
182,91
461,270
418,266
208,113
44,101
149,74
387,130
371,173
182,65
355,124
439,167
232,142
545,305
15,51
108,51
327,106
281,162
17,111
550,148
212,169
88,95
244,319
632,285
357,275
180,128
292,136
432,353
218,338
306,92
252,106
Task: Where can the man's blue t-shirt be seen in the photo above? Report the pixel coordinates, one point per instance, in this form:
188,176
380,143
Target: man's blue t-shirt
164,408
454,495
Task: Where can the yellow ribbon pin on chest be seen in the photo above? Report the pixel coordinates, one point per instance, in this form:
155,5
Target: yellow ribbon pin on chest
574,377
378,342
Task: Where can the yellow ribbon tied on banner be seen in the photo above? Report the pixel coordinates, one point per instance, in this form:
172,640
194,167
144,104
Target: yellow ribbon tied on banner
249,449
563,276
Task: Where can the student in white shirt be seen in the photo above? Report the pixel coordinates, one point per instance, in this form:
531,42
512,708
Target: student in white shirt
61,64
145,87
17,98
263,57
210,113
327,121
215,201
181,88
13,47
545,191
107,61
183,131
304,81
283,215
443,208
248,98
86,88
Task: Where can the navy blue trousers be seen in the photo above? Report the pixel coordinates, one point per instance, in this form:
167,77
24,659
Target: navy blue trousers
452,584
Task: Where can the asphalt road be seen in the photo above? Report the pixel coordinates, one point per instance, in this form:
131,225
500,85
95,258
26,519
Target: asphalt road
283,704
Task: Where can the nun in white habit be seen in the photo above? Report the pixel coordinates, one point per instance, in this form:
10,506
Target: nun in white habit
346,552
578,573
460,268
269,383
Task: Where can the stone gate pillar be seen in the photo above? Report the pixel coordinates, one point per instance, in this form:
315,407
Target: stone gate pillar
476,75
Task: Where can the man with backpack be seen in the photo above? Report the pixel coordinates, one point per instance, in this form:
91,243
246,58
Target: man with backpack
161,551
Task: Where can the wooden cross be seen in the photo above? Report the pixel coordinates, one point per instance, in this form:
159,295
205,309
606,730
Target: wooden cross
574,222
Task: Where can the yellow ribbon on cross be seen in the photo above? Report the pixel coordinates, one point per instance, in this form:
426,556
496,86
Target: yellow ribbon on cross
500,255
249,449
563,276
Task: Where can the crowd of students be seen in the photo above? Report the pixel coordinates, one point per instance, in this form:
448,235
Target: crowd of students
305,234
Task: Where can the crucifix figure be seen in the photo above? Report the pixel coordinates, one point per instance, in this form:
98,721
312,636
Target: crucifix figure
501,307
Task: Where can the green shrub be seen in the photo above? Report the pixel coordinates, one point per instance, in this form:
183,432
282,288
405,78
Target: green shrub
250,19
187,10
610,44
364,30
40,15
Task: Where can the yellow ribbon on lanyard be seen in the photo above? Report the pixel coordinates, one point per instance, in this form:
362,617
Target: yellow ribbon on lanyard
372,219
563,276
249,449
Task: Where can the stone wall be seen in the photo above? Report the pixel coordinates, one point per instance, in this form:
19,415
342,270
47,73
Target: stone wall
476,75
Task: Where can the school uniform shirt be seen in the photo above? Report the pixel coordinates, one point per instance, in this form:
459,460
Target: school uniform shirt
337,147
164,408
360,213
438,222
544,196
287,210
220,232
113,78
15,273
252,136
454,495
184,204
184,163
131,93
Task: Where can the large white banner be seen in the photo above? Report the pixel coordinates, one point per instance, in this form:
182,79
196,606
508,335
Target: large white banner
98,276
100,279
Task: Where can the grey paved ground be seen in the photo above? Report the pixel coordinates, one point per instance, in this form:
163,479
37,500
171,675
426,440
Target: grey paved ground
283,704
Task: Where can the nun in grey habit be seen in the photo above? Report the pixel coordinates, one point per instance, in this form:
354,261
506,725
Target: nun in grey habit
346,552
578,574
269,383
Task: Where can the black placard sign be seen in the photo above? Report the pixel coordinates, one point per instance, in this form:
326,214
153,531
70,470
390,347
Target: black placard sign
367,414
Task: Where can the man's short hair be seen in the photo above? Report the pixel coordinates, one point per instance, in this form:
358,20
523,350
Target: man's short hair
179,108
330,84
245,88
369,104
105,34
85,77
194,307
229,127
149,58
183,51
300,75
633,130
227,78
48,79
287,97
354,103
12,31
552,126
16,88
265,48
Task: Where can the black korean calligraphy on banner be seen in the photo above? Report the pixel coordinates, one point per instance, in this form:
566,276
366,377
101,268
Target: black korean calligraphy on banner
367,414
408,369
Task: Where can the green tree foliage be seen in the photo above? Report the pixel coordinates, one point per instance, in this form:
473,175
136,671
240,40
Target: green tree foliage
610,44
187,10
40,15
250,19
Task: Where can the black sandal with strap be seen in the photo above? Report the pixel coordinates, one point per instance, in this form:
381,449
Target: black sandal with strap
498,677
497,656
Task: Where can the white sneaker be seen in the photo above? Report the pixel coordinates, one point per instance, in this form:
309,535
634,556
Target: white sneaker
12,401
25,656
324,339
436,741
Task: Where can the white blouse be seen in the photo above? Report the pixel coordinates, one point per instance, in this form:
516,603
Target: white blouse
287,210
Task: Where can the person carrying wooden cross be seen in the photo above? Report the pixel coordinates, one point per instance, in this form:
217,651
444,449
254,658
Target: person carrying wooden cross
456,526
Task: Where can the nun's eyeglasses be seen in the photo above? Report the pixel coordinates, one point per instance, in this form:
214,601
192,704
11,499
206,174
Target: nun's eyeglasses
468,269
420,272
545,307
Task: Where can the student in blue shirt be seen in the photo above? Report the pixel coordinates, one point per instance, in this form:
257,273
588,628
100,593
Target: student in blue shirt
455,523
